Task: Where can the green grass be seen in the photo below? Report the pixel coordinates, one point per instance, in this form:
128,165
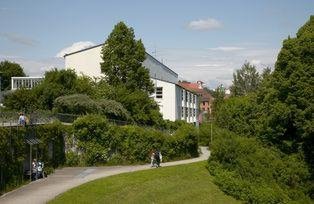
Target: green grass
189,183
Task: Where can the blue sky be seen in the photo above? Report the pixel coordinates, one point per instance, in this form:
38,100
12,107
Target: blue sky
200,40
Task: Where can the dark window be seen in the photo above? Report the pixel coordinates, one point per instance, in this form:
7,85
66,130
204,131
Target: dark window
158,92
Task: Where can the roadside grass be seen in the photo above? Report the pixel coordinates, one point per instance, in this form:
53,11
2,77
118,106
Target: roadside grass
190,183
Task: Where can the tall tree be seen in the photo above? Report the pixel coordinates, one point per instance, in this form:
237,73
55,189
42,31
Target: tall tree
288,100
122,60
8,70
245,80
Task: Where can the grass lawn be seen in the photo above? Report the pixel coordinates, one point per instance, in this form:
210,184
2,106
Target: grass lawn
189,183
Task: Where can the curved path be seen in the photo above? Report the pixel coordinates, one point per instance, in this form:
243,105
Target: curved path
43,190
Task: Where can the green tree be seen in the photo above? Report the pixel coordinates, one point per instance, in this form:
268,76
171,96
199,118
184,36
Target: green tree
58,83
219,95
22,100
245,80
8,70
288,99
122,60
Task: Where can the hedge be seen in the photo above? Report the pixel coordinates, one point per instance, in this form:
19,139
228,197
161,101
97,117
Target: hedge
15,151
99,143
244,168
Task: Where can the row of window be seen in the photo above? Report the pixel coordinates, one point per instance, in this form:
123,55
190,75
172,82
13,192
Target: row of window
188,112
189,97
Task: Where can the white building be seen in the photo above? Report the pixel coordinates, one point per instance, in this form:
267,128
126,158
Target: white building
175,102
24,82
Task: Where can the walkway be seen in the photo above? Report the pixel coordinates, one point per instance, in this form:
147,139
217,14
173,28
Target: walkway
43,190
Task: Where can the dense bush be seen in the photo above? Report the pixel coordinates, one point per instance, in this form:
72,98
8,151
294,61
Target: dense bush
76,104
15,151
100,142
51,147
114,110
247,170
238,114
11,157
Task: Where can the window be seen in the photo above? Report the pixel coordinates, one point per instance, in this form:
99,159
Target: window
182,94
186,112
158,92
182,112
186,96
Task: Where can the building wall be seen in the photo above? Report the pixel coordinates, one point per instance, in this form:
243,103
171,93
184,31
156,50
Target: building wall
88,62
167,104
189,106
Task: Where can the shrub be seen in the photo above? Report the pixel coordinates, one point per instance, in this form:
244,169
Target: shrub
76,104
100,142
247,170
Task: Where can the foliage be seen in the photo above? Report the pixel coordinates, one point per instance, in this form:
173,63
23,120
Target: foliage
15,150
219,95
245,80
100,142
79,104
280,114
11,156
143,109
114,110
249,171
8,70
22,100
122,60
238,114
51,148
56,83
287,98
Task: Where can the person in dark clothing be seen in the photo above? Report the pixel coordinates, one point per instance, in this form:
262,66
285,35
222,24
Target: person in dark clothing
157,158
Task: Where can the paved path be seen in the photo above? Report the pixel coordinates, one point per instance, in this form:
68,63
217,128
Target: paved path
43,190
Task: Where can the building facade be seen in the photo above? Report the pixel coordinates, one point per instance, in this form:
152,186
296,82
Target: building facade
205,98
175,102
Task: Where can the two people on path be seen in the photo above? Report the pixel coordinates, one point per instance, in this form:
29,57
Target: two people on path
37,170
23,120
155,158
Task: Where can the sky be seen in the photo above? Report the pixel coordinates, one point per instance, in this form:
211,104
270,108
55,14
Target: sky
199,40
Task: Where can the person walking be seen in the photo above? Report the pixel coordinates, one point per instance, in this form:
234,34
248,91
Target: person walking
157,158
152,158
22,119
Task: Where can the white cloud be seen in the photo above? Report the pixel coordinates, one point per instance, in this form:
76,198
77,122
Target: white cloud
19,39
75,47
35,67
203,25
209,65
255,62
226,49
215,67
